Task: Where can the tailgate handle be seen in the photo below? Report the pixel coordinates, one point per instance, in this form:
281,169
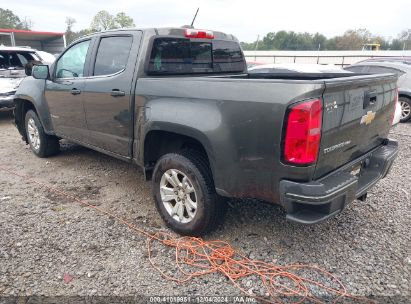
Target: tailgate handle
369,99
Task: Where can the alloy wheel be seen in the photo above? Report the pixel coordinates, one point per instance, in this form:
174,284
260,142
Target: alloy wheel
178,196
33,133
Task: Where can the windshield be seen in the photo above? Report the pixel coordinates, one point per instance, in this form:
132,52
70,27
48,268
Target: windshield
16,59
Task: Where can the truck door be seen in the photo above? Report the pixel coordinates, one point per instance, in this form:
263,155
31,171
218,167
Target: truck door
109,91
64,92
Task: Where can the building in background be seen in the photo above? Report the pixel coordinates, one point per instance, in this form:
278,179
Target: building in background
50,42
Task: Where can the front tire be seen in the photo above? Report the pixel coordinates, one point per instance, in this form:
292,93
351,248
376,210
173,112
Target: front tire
41,144
405,108
184,193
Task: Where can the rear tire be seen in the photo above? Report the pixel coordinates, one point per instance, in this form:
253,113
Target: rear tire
405,108
188,170
41,144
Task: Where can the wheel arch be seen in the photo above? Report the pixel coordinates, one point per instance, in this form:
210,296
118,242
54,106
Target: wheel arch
20,110
169,138
25,103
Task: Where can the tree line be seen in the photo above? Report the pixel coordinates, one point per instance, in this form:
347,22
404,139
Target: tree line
8,20
281,40
350,40
103,20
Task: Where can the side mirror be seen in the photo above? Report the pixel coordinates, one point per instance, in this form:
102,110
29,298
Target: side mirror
40,71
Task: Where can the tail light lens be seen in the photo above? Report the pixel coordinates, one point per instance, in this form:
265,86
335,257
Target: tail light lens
303,132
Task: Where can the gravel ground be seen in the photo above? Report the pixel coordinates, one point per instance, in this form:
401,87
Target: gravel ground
44,236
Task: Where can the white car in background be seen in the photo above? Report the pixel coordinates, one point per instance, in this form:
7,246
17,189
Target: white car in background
15,64
401,66
46,58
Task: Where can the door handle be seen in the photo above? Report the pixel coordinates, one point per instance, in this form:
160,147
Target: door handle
117,92
75,91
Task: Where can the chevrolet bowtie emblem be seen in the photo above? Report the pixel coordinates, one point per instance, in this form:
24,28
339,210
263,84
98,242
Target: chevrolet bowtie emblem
368,118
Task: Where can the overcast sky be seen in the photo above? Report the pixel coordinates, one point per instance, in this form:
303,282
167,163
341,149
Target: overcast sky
244,19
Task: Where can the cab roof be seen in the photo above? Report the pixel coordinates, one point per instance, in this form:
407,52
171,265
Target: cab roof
168,31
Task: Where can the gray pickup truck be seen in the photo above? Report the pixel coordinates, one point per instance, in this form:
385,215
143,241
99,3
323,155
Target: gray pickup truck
179,103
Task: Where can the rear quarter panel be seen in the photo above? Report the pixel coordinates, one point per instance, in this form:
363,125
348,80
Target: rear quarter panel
238,121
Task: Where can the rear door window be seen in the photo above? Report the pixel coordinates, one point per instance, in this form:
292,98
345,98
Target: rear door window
183,56
112,55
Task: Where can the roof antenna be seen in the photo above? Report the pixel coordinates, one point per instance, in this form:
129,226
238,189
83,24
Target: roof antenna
195,16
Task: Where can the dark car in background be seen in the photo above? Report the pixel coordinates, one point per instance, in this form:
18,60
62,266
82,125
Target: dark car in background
397,65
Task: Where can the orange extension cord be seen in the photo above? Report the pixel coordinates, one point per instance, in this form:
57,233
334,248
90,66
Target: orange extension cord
196,257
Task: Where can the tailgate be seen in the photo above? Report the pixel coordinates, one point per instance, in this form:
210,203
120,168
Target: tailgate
357,114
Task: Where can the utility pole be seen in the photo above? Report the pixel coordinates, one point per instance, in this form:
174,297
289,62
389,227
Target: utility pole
318,53
256,44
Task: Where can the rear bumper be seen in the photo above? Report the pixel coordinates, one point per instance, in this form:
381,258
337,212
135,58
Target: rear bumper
313,202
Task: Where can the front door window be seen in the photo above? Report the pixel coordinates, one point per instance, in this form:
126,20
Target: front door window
71,64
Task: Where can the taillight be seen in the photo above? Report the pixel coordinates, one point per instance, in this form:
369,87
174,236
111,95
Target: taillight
192,33
303,132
